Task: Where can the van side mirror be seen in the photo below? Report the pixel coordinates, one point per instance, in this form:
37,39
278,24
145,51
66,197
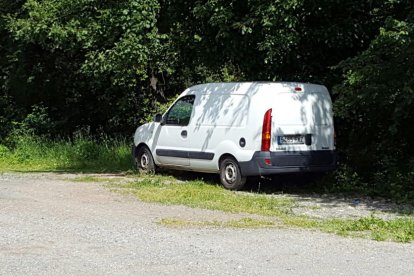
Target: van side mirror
158,118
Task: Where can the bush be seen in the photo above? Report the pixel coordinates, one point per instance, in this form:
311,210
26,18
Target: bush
344,180
38,121
389,182
4,151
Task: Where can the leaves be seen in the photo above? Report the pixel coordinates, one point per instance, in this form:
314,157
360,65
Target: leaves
88,52
376,101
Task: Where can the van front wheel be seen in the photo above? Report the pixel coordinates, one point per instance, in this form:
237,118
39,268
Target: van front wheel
145,162
230,174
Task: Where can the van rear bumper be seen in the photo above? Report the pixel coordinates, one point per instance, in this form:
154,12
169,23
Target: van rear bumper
289,162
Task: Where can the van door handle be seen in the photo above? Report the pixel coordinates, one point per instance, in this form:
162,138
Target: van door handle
184,133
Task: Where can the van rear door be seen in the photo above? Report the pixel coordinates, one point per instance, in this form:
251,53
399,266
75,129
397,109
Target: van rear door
302,119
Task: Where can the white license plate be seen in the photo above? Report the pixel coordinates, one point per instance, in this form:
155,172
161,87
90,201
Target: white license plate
291,140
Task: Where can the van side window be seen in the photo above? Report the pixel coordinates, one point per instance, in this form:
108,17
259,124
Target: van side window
180,113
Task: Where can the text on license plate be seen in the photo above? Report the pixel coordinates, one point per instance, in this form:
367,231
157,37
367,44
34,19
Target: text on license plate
290,139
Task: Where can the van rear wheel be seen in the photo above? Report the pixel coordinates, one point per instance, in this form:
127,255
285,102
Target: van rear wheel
145,161
230,174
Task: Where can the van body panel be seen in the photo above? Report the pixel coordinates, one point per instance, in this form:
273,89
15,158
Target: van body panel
220,110
227,119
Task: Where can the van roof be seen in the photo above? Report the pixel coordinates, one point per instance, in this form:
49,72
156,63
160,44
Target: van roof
247,87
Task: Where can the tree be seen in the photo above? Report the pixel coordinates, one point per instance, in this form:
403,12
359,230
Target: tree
376,102
90,61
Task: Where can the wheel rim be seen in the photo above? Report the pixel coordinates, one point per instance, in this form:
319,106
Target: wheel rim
230,173
144,161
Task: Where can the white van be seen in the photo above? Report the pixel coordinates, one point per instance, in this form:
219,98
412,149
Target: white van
241,129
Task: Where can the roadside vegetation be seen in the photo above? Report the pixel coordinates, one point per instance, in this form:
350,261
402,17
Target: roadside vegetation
26,152
29,153
273,210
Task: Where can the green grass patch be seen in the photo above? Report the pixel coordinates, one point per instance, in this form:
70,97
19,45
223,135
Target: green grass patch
199,194
94,179
236,223
401,229
32,153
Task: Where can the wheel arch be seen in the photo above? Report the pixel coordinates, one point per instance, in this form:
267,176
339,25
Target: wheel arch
225,155
229,148
139,146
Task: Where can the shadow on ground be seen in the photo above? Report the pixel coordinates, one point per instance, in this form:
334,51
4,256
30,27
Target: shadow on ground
307,189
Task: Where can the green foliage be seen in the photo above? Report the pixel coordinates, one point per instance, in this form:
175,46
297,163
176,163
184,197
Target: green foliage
4,151
7,114
38,121
272,40
89,61
345,179
401,229
34,153
376,102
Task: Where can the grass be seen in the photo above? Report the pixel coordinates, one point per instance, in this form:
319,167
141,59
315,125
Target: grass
199,194
94,179
236,223
31,153
401,229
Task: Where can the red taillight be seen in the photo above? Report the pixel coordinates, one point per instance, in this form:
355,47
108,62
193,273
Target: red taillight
267,130
298,89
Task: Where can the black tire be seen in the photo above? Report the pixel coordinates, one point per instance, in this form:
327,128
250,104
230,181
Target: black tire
230,174
144,161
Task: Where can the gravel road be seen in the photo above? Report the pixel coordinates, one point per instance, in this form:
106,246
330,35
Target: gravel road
52,226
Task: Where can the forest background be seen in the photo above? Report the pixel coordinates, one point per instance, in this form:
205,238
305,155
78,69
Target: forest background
71,68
